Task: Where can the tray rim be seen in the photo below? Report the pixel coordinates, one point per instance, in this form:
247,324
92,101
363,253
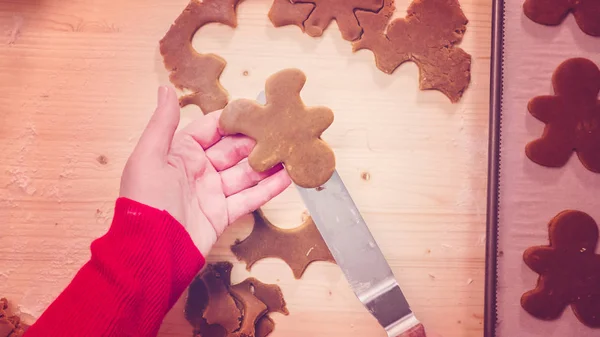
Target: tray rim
495,112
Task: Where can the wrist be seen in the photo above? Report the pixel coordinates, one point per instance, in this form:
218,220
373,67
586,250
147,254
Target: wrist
203,238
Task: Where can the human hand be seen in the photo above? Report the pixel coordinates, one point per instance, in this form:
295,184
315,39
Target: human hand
196,174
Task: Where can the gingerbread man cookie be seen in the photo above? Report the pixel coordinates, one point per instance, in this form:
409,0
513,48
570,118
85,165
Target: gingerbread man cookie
426,36
572,117
189,69
285,130
553,12
569,270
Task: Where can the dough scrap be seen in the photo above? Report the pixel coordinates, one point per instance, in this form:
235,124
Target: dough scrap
426,36
269,294
265,326
298,247
553,12
571,115
285,13
342,11
252,301
569,270
221,308
252,309
10,325
189,69
285,130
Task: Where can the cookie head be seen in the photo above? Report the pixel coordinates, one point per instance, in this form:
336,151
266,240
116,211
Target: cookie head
574,231
577,78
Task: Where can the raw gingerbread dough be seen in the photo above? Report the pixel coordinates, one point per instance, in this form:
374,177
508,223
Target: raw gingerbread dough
10,325
572,117
251,307
553,12
342,11
189,69
426,36
221,308
284,13
569,270
285,130
252,301
269,294
265,326
298,247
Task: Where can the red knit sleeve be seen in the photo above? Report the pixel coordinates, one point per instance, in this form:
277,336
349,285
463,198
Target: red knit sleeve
136,273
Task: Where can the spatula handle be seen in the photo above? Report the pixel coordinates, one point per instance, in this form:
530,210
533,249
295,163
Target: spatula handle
416,331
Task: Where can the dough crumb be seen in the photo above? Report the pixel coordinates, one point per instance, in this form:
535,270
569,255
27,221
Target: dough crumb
102,159
16,29
469,281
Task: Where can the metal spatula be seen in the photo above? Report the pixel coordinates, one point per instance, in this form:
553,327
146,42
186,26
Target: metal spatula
356,252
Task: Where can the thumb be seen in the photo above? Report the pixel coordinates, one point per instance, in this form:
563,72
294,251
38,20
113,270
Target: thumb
158,135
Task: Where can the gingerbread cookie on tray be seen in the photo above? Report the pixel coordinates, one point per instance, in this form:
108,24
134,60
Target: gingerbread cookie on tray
571,115
553,12
569,270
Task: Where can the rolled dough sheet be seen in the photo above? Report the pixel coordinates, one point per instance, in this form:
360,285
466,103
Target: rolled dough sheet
530,194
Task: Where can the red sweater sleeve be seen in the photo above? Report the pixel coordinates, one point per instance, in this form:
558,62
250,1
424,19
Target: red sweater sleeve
136,273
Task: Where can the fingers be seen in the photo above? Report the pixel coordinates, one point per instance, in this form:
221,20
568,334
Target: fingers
242,176
229,151
252,198
205,130
158,135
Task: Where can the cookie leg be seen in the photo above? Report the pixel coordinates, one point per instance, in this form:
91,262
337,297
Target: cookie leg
547,12
589,157
587,309
587,15
311,164
552,150
544,303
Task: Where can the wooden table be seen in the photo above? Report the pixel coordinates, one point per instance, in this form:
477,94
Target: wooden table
78,85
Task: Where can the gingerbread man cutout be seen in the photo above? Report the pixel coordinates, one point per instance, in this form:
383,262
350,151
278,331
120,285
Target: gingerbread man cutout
285,130
426,36
553,12
572,117
198,73
569,270
342,11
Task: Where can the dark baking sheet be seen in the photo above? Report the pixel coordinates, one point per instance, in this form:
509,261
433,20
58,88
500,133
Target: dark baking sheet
523,196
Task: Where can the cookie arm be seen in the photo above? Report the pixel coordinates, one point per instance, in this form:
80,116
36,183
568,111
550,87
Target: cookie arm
545,108
539,259
136,273
547,12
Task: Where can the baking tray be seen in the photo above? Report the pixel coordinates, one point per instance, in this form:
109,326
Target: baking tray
523,196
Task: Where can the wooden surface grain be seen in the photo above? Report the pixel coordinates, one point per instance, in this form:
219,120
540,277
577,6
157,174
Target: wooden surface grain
78,84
